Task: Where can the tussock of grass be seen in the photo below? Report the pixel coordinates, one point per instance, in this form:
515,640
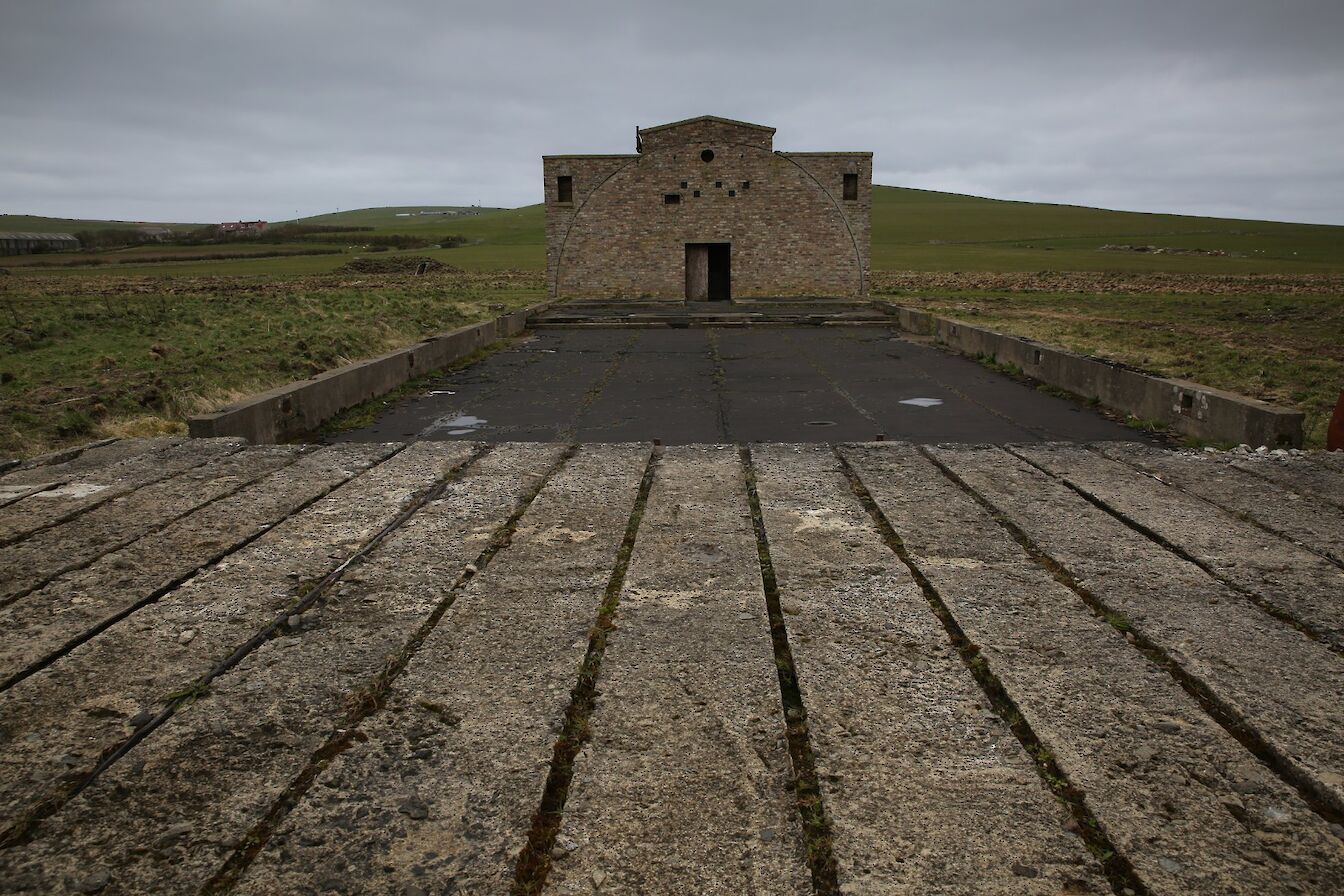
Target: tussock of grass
141,427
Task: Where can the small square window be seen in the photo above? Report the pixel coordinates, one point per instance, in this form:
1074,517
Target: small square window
671,199
696,194
746,185
718,185
851,187
732,192
683,185
564,188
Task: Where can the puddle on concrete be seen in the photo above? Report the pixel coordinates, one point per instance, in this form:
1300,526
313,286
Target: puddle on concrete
458,425
923,402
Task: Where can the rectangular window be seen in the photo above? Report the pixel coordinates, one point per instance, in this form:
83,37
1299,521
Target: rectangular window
851,187
683,185
671,198
746,185
564,188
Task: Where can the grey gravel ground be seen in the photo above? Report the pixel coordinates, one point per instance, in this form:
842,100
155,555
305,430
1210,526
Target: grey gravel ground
524,667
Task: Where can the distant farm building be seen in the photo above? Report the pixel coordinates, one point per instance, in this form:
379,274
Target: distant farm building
708,209
241,228
28,243
157,234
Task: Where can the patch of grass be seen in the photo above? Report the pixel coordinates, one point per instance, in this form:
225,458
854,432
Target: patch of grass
1006,368
189,694
1118,622
84,356
1145,424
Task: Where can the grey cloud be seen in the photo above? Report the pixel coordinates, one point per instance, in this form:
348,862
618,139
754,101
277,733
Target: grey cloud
196,111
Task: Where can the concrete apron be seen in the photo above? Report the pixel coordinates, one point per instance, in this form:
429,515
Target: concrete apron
867,668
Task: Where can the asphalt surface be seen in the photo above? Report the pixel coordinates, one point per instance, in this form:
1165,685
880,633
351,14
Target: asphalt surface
716,385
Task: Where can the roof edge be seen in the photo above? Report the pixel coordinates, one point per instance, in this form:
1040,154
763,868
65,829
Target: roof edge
732,121
593,155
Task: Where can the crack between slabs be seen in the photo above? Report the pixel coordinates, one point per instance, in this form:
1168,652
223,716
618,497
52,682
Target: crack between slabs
720,377
568,432
534,860
825,374
1315,496
818,831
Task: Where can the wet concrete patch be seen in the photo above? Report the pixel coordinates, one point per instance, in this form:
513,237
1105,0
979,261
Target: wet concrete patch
686,386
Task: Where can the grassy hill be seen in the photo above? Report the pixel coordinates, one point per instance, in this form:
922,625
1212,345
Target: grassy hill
398,218
913,230
926,230
39,224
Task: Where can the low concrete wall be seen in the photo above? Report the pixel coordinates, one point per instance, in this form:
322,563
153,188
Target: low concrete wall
296,408
1187,408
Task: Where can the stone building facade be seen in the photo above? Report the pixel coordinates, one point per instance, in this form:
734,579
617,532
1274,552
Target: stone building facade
707,209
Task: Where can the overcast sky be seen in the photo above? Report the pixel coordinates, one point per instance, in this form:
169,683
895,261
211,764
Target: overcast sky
180,110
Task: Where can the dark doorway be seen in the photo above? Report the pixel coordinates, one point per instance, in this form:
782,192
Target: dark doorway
709,272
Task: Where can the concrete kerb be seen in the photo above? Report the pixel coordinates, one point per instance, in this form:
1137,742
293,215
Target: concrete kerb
1188,408
295,408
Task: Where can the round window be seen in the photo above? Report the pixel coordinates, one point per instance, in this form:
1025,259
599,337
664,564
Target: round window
707,155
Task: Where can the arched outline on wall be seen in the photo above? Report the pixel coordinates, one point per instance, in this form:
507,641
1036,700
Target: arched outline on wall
858,256
560,253
844,219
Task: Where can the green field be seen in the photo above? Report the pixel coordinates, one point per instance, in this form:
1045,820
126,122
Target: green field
117,348
913,230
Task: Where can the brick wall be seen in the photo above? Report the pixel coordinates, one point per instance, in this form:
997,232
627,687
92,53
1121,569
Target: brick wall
791,231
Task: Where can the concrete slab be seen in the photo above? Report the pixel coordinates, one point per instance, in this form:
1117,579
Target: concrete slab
43,556
701,385
79,604
169,722
684,787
